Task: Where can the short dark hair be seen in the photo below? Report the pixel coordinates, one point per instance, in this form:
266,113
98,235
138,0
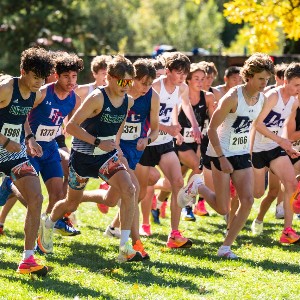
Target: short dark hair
280,69
257,63
178,61
144,67
38,61
119,66
210,67
66,62
159,62
232,70
100,62
292,71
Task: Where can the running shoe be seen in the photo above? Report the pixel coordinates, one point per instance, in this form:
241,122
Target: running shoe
187,214
177,240
279,213
102,207
145,230
289,236
295,200
128,254
200,209
155,215
226,253
112,232
163,209
73,218
31,266
188,193
45,236
138,246
65,227
2,230
257,228
5,190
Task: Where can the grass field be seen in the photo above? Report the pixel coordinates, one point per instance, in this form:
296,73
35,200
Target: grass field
85,267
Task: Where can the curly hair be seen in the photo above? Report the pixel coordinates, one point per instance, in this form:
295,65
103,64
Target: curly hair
66,62
100,62
38,61
257,63
119,66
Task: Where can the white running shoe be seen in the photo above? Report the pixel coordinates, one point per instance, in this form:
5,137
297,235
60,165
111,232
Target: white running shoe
226,253
45,236
279,213
112,232
188,193
257,228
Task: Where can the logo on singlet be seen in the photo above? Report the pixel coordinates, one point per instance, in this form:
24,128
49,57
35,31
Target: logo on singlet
241,124
165,111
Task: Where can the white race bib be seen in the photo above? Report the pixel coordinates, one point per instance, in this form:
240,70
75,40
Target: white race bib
131,131
238,141
162,134
188,136
46,133
97,150
265,139
12,131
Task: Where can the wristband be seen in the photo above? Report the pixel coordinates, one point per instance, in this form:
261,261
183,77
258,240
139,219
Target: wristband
149,141
221,156
6,143
97,142
29,136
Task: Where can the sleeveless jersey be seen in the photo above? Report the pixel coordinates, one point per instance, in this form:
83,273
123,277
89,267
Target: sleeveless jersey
12,119
105,125
274,122
136,119
167,103
200,111
234,132
46,119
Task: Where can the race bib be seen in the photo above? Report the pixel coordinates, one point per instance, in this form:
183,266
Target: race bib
239,141
265,139
131,131
97,150
188,135
162,135
46,133
12,131
205,126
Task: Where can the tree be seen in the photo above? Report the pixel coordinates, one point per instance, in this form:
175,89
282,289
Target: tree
264,20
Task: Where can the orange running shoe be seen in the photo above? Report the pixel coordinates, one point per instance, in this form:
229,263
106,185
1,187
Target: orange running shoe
138,246
289,236
29,265
128,254
102,207
295,200
177,240
200,209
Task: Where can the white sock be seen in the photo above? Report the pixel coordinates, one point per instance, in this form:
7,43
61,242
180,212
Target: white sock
124,237
27,253
258,222
49,223
224,249
158,204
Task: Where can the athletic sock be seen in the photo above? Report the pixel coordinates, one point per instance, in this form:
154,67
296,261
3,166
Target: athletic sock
124,237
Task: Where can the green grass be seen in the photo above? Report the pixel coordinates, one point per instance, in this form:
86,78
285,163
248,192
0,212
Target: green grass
85,267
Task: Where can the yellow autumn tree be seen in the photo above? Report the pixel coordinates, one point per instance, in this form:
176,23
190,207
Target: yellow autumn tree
263,20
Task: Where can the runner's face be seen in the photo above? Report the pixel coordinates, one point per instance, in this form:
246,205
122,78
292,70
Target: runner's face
233,80
119,90
160,72
176,77
67,80
293,86
259,81
100,77
197,81
32,81
142,86
209,78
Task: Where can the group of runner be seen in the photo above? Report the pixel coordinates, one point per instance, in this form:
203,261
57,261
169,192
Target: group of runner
133,118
